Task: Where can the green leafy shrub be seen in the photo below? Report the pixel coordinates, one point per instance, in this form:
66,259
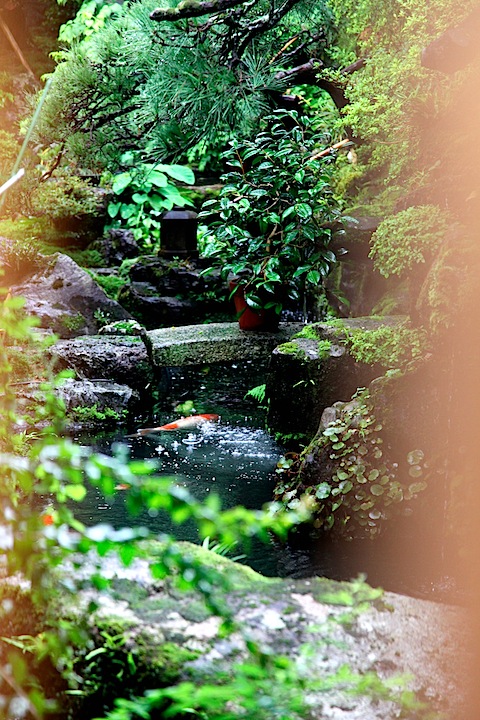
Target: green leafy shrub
144,192
392,99
90,18
19,258
66,196
274,216
408,238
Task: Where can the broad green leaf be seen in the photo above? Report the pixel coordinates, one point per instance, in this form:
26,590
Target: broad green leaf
178,172
304,210
157,178
139,198
314,277
127,211
113,209
158,203
120,182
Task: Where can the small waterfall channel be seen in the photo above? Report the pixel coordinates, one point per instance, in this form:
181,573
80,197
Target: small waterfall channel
236,459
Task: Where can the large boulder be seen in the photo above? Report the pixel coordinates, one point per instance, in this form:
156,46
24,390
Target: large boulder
89,405
97,404
66,299
120,359
162,293
335,635
311,372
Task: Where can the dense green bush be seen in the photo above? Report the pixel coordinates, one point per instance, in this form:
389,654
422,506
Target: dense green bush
408,238
392,99
66,196
274,218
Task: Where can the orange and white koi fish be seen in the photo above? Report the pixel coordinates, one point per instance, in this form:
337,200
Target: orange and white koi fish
186,423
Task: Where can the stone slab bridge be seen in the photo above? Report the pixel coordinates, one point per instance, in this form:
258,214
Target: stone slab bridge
213,343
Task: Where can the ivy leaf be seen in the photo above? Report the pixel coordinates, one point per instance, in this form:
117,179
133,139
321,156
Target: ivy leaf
415,471
415,457
323,491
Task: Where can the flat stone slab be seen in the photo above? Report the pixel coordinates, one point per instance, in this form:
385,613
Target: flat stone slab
214,343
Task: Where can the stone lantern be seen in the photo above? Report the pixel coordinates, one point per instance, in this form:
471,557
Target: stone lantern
178,234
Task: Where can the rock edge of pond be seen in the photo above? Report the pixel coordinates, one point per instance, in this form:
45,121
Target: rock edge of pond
321,625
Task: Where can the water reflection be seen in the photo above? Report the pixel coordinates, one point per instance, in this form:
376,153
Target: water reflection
237,463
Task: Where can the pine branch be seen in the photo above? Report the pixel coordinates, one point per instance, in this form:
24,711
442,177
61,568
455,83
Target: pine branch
264,23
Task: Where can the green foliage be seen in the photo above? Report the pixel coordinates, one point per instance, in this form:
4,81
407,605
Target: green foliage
144,192
365,485
88,259
392,99
90,18
19,258
65,196
408,238
257,393
182,87
111,284
389,346
72,323
92,415
57,468
447,292
274,216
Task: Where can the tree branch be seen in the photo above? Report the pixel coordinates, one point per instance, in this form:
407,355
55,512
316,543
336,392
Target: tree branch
193,8
307,69
264,23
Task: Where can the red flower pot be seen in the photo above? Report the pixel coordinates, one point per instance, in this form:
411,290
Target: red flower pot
250,319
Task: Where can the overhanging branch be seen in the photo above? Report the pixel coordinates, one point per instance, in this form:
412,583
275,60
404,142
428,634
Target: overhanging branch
193,8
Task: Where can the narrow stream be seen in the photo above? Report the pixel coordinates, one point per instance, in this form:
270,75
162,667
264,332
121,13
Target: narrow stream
236,459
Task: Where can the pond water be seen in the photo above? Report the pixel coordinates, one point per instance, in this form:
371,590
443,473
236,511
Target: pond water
236,459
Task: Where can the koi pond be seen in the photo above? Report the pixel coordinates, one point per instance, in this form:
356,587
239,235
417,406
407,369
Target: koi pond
236,459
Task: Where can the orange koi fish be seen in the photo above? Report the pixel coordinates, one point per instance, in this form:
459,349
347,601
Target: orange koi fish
186,423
